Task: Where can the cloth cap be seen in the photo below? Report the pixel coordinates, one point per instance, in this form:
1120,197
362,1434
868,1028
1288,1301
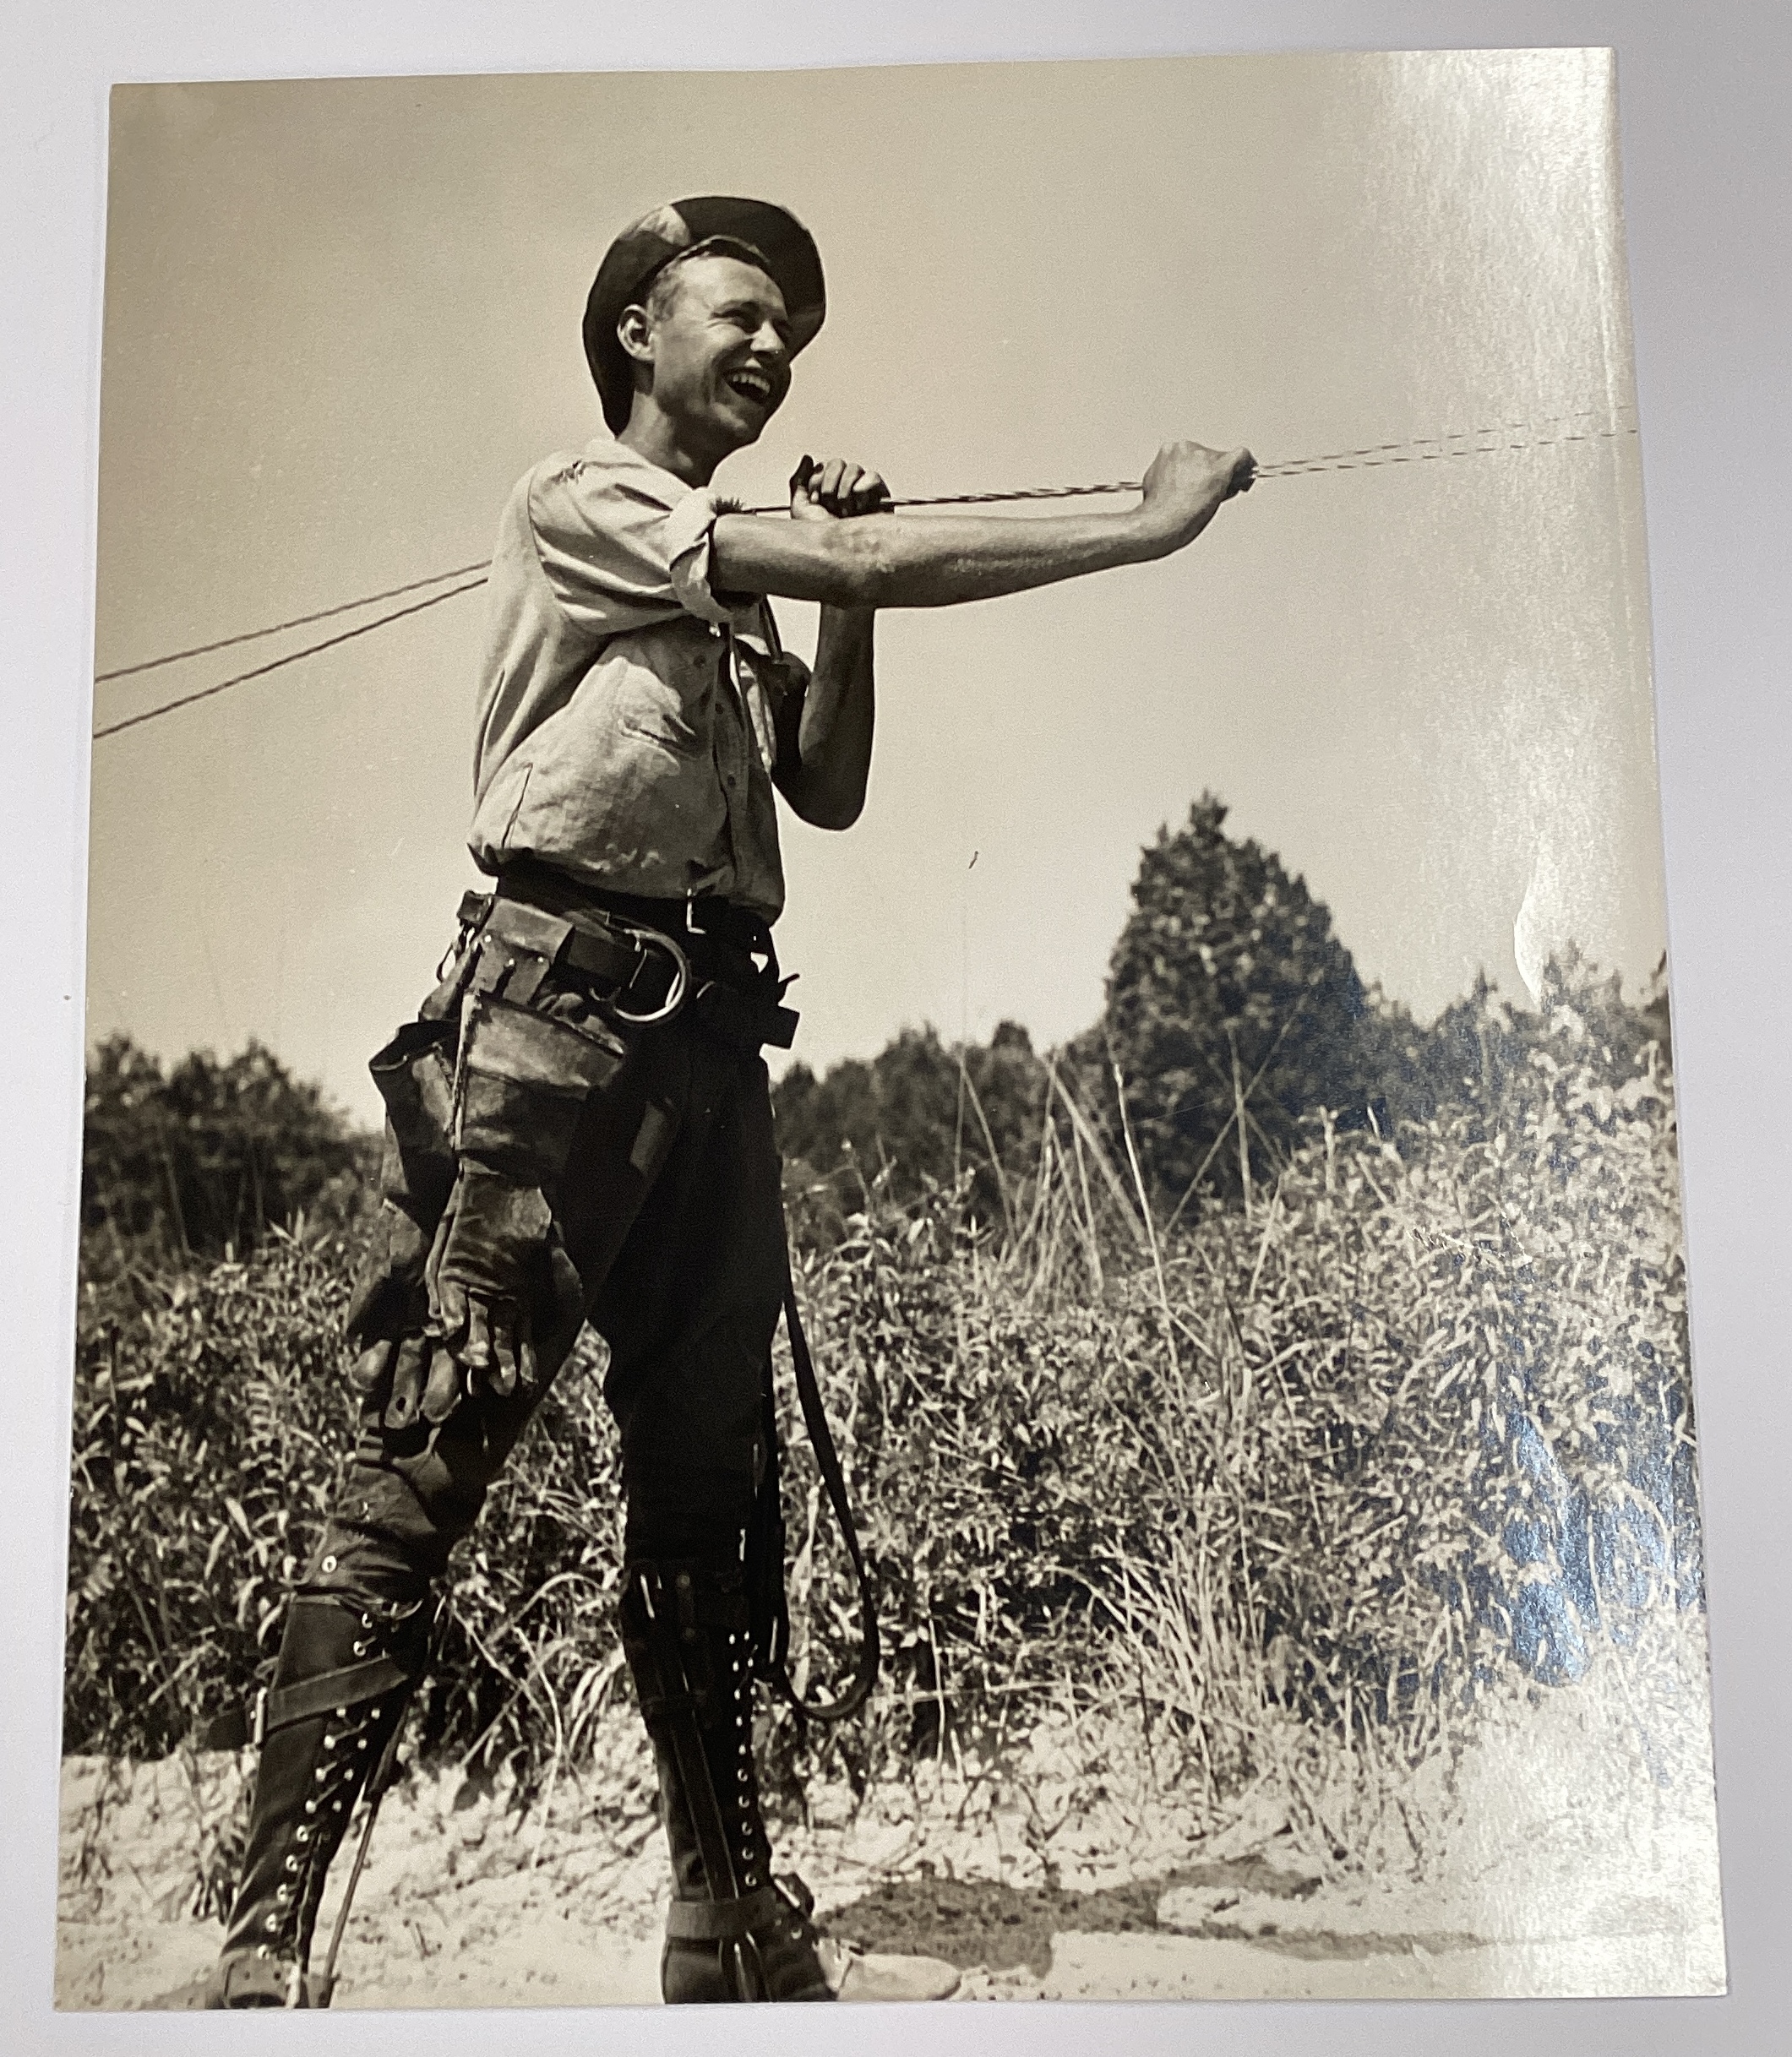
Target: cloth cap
776,237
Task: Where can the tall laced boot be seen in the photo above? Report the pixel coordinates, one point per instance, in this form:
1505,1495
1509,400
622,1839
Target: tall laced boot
733,1932
343,1680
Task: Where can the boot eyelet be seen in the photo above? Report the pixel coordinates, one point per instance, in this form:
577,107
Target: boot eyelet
360,1742
311,1807
272,1924
262,1950
367,1621
362,1649
291,1863
321,1773
302,1834
329,1564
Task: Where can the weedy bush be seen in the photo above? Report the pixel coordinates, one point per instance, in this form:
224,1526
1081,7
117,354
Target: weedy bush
1302,1482
208,1423
1312,1480
212,1422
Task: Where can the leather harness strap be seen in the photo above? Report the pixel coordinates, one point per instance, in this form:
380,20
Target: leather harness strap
711,1921
766,1547
346,1688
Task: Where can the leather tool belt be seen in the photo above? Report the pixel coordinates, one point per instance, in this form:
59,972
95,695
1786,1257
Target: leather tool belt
646,960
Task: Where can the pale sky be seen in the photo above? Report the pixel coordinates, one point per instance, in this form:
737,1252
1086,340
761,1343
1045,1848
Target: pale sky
342,318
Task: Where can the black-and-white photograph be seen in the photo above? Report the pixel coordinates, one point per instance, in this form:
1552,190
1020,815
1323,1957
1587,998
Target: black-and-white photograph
880,1195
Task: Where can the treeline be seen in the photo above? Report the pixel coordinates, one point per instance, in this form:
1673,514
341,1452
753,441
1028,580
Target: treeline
196,1164
1232,1016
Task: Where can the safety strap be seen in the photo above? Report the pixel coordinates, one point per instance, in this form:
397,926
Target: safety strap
347,1688
749,1019
584,941
765,1544
702,1804
720,1921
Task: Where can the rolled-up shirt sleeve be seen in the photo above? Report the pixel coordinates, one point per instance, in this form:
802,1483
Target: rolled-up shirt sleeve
624,545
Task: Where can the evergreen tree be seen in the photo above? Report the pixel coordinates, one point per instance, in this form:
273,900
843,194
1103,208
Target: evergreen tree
1232,1012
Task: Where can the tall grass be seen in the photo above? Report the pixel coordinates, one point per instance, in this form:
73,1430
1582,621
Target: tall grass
1312,1478
1300,1482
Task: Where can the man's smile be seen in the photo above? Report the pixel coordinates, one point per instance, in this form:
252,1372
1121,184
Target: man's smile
751,384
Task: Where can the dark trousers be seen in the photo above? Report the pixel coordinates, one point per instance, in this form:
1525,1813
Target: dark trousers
670,1210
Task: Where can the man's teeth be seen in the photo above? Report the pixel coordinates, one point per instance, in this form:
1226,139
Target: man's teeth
752,385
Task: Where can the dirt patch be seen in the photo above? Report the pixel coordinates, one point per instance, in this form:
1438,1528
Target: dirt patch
1574,1870
972,1922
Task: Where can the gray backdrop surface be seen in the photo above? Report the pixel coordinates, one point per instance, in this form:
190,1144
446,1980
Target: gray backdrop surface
1702,94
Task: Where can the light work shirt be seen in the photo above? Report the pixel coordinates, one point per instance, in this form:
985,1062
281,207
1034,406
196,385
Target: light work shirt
627,711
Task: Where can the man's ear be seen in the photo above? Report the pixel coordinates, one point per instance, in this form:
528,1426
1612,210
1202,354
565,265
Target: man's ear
634,332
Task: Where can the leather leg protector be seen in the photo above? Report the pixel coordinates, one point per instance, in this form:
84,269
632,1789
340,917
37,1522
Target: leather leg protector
344,1678
731,1934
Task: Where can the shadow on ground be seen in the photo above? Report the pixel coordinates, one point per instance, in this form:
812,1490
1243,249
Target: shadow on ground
980,1922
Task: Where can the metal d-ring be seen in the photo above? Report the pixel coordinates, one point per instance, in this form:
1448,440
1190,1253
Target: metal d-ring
652,938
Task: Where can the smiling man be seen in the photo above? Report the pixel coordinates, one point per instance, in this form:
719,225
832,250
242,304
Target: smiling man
580,1125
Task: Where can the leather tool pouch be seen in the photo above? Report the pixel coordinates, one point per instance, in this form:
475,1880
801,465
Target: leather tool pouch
524,1081
523,1077
497,1069
414,1075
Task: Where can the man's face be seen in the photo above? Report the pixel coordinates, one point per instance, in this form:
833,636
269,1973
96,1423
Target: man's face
720,340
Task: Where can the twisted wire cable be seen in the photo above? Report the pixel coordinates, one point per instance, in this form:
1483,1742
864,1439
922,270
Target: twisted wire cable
1492,440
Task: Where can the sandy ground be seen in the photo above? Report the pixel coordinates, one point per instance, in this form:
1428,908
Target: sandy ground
1583,1862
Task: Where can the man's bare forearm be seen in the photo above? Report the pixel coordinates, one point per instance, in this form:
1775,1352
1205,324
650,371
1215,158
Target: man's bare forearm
897,561
826,784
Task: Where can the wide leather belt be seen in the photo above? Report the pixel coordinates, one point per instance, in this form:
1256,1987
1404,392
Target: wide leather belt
702,919
640,976
618,941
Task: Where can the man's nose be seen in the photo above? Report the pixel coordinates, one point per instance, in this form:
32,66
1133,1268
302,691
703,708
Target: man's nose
768,343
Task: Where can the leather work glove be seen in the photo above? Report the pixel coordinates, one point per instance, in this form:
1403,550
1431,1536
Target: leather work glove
499,1293
389,1310
496,1253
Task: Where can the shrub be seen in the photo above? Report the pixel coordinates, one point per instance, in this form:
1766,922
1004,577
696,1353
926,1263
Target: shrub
201,1163
212,1424
1415,1425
